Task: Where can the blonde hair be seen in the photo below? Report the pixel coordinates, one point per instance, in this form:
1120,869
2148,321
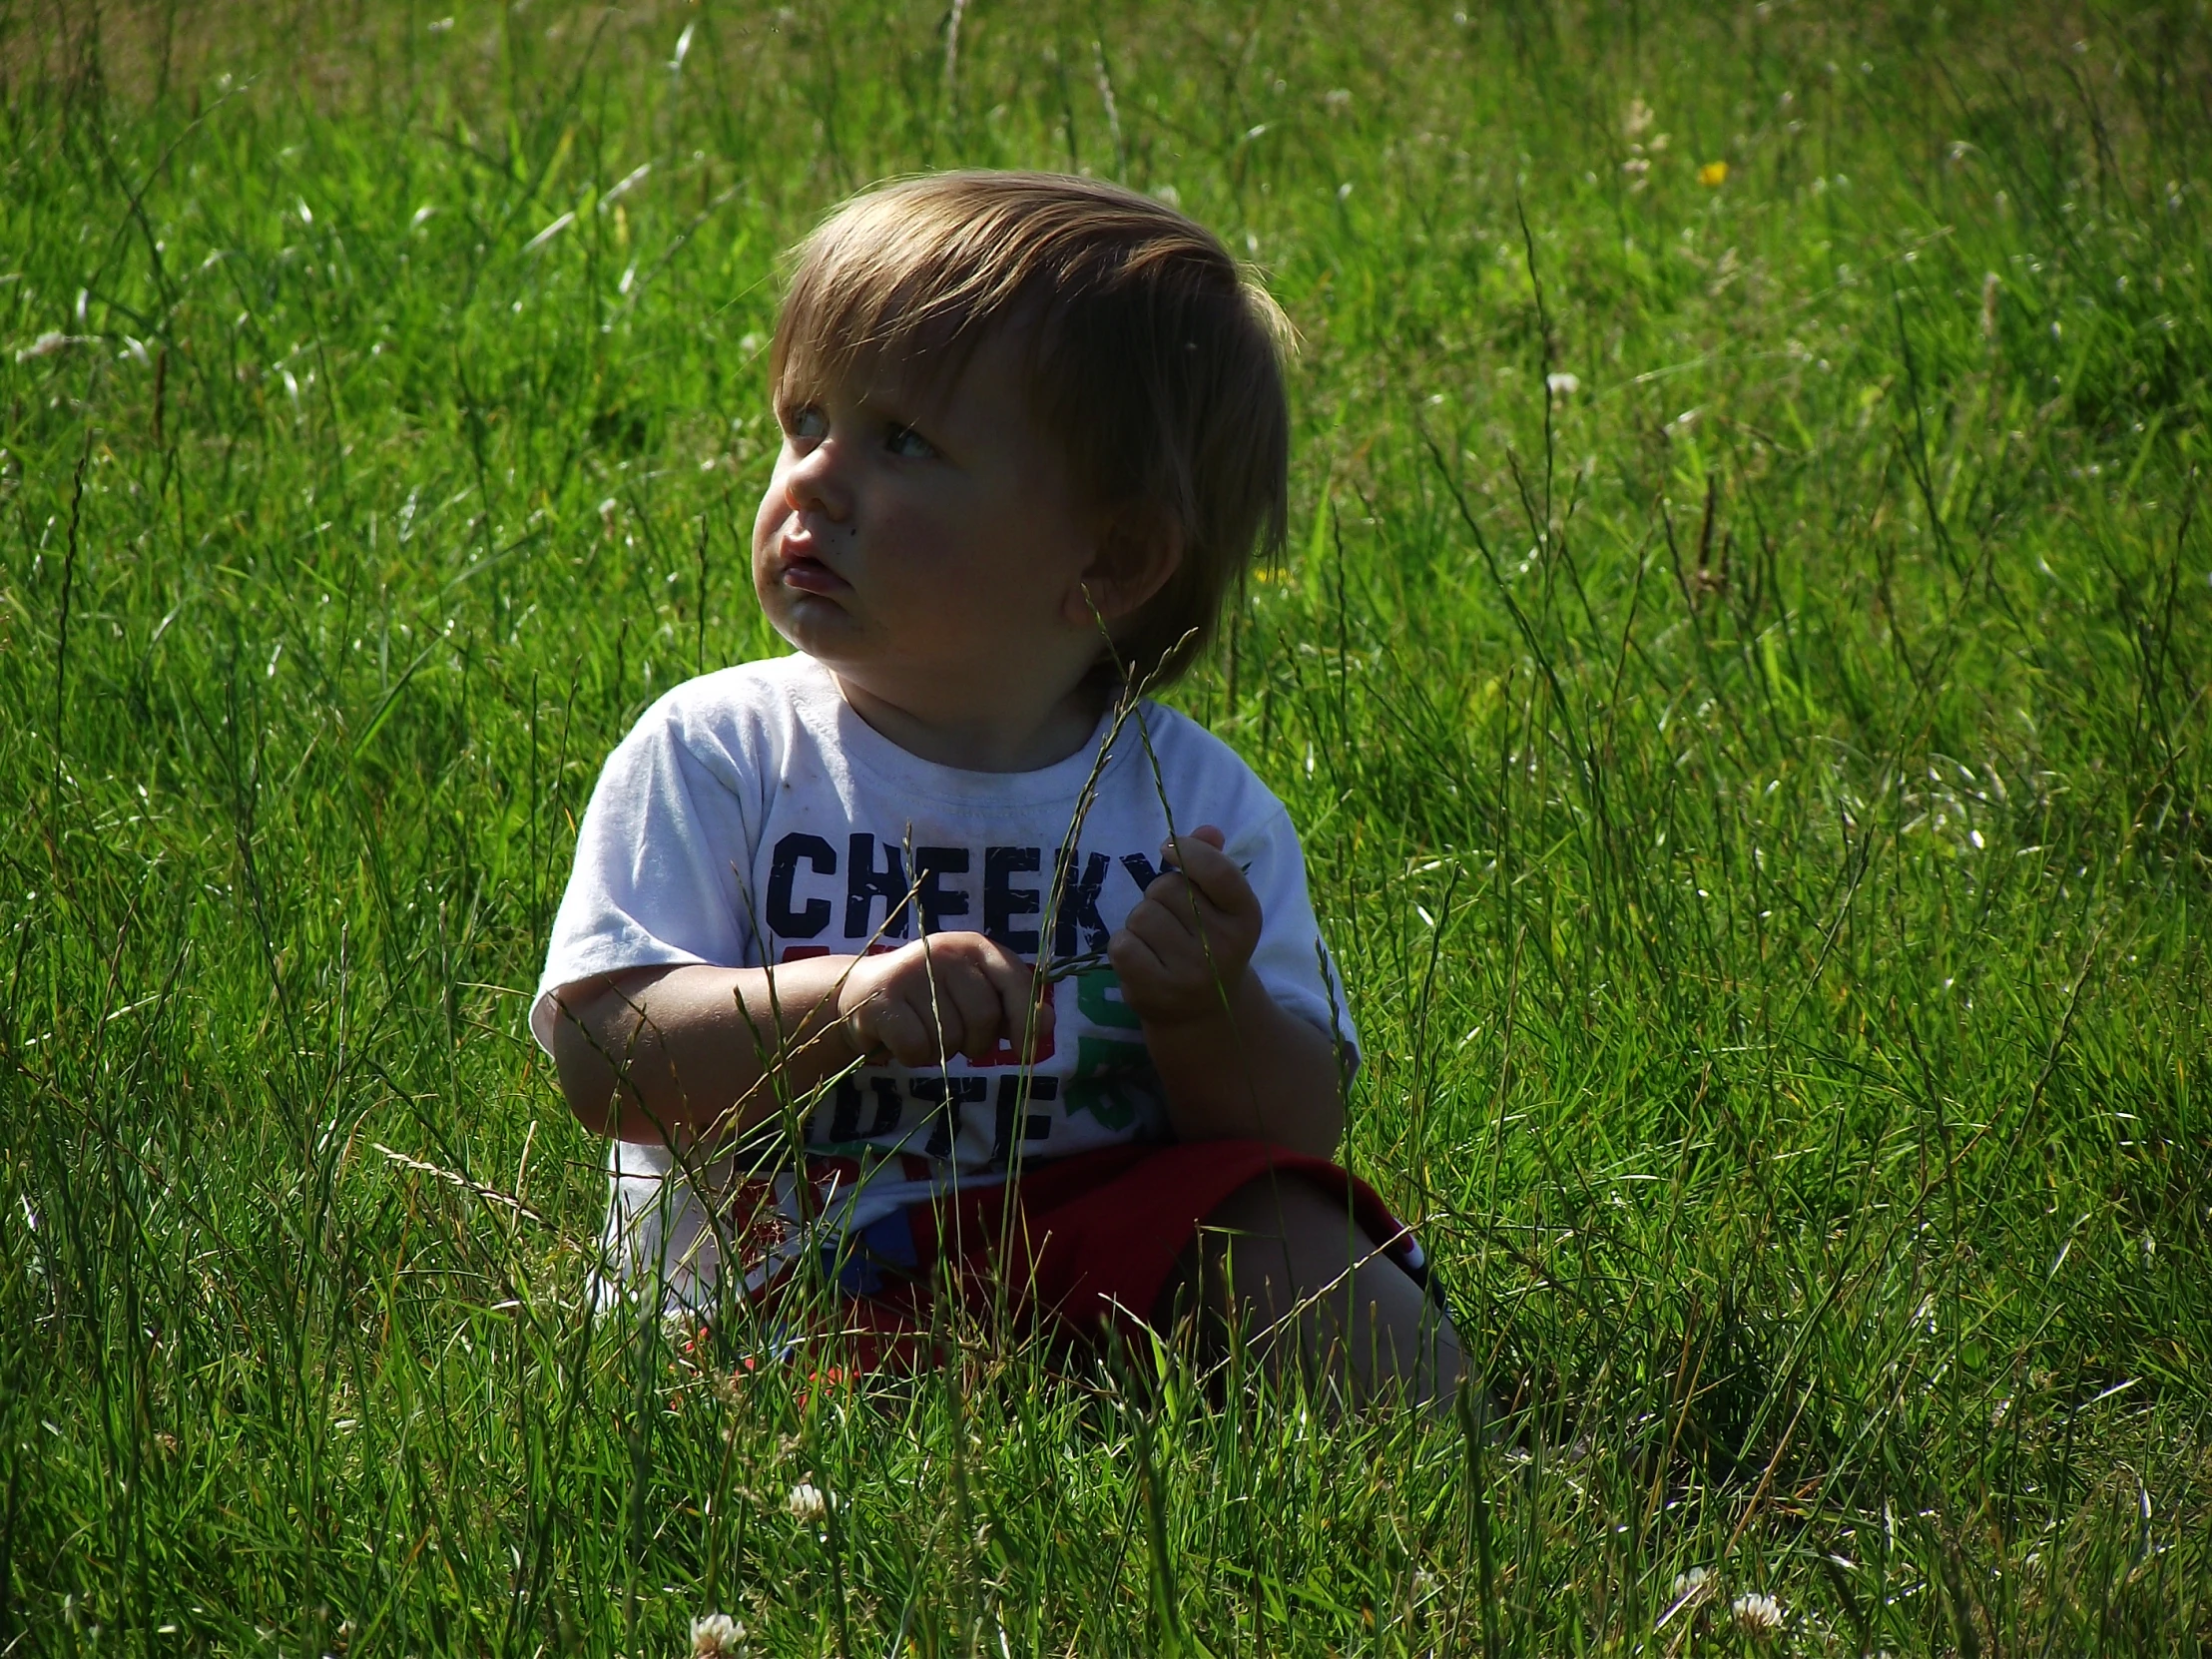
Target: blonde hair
1151,358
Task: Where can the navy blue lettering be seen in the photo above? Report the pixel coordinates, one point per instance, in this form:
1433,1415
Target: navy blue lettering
1002,900
948,1095
864,883
929,863
793,851
889,1107
844,1112
1036,1126
1140,869
1076,909
844,1115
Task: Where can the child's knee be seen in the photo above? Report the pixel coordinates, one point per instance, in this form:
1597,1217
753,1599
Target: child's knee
1283,1243
1267,1229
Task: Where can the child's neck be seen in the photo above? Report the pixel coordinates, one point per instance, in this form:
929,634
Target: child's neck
1009,735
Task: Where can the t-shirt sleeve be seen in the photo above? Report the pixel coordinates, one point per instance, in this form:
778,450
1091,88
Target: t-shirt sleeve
1291,958
656,881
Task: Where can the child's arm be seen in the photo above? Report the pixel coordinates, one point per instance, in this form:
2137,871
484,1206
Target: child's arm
677,1053
1235,1062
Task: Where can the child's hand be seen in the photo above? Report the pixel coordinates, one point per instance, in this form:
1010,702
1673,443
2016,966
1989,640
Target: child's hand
1184,947
949,994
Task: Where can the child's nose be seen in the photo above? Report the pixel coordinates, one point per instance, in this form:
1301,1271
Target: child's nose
811,485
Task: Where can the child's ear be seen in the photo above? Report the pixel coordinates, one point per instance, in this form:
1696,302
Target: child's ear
1138,552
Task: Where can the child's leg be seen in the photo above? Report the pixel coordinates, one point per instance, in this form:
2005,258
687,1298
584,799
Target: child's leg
1312,1290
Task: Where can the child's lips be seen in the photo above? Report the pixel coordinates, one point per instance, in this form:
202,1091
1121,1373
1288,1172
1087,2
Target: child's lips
810,575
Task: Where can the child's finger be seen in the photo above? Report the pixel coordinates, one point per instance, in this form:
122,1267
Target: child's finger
1025,1000
1220,877
1032,1024
1191,842
1169,931
1172,891
1134,961
1026,1029
895,1028
916,1046
968,1008
1192,907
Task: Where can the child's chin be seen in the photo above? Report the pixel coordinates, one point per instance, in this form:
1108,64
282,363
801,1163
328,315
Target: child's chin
810,624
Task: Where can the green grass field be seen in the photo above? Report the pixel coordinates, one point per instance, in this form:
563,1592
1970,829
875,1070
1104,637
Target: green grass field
1740,671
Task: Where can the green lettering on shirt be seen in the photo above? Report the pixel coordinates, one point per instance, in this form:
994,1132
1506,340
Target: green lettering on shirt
1113,1081
1098,995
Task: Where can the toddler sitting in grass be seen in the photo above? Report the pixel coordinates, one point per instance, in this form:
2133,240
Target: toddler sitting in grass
1024,960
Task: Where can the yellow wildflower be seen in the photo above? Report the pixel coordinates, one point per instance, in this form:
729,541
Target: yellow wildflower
1713,174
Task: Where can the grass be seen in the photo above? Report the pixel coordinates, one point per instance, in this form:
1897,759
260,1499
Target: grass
1757,789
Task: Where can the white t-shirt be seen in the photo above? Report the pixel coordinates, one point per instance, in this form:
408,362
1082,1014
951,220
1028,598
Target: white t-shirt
751,816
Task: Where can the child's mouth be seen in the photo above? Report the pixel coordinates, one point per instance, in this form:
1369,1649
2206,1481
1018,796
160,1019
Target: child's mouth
810,575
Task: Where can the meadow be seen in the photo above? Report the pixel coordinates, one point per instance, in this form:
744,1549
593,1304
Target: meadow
1740,669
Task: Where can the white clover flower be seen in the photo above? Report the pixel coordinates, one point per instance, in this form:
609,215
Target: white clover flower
1562,384
1757,1615
1685,1582
808,1503
717,1636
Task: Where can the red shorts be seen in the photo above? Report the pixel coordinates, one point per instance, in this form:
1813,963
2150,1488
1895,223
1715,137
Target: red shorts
1083,1245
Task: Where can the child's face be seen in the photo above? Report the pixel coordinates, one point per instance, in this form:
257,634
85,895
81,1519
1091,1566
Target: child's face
928,548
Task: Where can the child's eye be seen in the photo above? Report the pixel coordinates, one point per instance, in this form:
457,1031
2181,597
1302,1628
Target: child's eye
907,443
806,421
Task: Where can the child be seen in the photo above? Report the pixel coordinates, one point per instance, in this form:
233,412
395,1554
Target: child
1029,962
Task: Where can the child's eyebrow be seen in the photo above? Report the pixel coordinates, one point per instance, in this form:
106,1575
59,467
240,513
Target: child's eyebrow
896,394
901,407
